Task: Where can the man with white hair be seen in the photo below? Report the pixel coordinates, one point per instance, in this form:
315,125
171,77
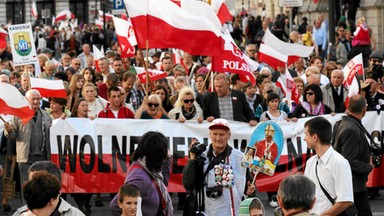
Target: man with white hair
31,140
49,70
334,93
4,78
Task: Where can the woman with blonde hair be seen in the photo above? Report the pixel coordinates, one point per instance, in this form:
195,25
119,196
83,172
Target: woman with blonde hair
151,108
186,107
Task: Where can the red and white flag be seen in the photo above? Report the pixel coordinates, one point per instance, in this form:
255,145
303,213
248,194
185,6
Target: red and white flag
271,57
3,38
163,24
288,87
97,54
108,16
126,37
34,10
353,67
12,102
233,60
99,23
201,9
293,51
63,15
49,88
221,11
153,74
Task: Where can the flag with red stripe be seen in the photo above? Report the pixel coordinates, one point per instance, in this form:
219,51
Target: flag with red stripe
12,102
153,74
163,24
352,68
293,51
49,88
126,37
233,60
271,57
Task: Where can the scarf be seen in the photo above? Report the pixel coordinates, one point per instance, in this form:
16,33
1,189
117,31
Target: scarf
158,179
319,109
188,115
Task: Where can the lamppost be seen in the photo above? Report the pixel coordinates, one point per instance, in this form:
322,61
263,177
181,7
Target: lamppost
332,38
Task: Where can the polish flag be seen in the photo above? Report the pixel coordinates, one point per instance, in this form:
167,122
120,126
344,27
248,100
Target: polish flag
124,16
99,23
233,60
352,68
293,51
3,38
153,74
288,87
201,9
63,15
34,10
49,88
271,57
163,24
126,37
221,10
97,54
108,16
12,102
178,59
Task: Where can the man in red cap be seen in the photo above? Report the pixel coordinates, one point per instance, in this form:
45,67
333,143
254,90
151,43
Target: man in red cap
217,174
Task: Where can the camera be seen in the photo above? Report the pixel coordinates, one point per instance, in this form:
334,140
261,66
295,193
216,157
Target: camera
215,192
376,155
199,148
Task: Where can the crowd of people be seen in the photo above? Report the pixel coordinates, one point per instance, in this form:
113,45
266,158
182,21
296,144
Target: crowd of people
110,88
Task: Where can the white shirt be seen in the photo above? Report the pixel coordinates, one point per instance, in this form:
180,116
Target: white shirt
335,176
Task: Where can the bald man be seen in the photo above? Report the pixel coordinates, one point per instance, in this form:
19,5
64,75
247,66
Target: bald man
226,103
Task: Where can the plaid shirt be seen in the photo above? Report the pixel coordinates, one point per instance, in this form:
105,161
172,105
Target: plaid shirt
135,98
226,108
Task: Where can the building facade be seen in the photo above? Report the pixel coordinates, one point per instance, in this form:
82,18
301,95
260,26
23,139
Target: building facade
19,11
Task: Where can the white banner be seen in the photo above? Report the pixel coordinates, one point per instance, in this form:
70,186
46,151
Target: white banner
22,44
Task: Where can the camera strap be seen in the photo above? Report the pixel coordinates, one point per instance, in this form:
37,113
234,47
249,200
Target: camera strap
216,160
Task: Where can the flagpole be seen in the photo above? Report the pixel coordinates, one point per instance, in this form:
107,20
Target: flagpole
1,117
146,66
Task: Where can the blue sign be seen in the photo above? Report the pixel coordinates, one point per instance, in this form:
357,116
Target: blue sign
118,4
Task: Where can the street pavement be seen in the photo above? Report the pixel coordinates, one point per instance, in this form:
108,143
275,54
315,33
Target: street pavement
376,205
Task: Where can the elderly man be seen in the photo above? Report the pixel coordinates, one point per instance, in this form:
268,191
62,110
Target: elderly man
226,103
32,139
205,175
83,56
351,142
65,62
328,169
334,93
296,195
76,64
104,68
314,70
250,51
49,70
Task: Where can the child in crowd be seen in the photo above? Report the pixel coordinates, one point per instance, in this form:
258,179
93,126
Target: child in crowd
129,200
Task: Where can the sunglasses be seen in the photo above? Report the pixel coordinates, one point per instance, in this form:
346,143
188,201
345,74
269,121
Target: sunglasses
310,93
376,61
189,101
153,104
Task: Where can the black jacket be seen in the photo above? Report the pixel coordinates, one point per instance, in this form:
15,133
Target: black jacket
241,110
351,142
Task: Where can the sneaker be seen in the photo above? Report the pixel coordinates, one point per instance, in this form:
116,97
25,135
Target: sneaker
273,204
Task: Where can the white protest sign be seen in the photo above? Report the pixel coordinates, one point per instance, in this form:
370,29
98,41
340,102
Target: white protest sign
22,44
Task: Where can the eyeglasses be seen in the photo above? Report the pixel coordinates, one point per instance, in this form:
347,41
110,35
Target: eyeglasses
153,104
252,50
189,101
375,61
310,93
